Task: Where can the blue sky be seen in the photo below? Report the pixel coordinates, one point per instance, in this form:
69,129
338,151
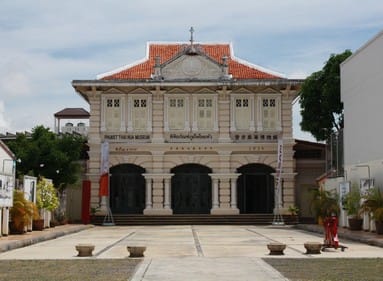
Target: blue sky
47,44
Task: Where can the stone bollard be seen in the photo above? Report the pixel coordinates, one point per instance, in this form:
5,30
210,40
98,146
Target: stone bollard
136,251
276,248
313,247
85,250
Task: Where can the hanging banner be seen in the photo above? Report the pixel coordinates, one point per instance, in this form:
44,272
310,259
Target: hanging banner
279,173
104,170
104,158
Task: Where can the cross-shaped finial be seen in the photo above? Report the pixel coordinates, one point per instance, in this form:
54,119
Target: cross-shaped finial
191,35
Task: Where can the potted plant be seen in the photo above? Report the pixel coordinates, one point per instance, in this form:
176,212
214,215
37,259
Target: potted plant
93,212
374,204
46,199
21,212
293,210
351,203
37,222
324,204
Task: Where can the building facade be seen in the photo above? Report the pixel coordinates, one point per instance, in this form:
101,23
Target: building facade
7,186
191,129
361,94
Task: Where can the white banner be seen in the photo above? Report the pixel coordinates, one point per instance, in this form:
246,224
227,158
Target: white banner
104,158
278,177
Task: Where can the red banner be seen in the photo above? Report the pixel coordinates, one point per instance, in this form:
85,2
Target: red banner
104,182
85,206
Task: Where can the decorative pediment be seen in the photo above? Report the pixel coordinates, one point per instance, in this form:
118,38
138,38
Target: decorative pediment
242,91
114,91
191,66
176,91
270,90
139,91
205,91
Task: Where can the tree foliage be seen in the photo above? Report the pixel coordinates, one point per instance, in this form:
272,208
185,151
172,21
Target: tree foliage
49,155
322,109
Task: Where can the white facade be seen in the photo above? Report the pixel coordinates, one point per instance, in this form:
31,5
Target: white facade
362,96
7,184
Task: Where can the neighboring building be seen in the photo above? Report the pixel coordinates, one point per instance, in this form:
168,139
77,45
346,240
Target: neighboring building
191,130
361,94
77,121
7,185
310,158
9,136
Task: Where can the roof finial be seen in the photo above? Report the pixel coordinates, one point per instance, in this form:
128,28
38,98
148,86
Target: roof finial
191,35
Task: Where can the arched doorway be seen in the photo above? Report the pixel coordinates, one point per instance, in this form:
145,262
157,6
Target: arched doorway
255,189
127,189
191,189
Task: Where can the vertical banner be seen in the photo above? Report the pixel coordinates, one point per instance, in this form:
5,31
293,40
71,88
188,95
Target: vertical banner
104,171
278,177
85,206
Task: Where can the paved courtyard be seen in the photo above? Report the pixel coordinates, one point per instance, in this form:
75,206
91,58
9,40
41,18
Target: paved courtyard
189,252
188,241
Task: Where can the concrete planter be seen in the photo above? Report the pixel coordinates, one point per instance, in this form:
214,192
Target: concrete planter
276,248
136,251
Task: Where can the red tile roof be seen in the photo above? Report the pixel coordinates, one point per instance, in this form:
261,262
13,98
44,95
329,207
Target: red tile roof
239,69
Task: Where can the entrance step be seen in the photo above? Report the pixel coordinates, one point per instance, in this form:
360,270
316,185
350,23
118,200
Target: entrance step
243,219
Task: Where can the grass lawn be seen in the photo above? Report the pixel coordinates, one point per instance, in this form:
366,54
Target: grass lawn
68,270
323,269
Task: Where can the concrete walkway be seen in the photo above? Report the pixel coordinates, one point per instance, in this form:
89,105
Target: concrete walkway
209,252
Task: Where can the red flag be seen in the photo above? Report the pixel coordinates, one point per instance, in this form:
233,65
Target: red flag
104,182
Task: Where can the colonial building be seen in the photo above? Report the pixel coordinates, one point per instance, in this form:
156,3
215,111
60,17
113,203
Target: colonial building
191,129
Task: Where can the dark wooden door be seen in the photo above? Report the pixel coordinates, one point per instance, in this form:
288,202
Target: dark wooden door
191,190
255,190
127,190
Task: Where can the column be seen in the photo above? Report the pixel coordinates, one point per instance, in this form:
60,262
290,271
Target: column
224,194
158,198
215,202
5,219
233,189
148,203
167,194
286,192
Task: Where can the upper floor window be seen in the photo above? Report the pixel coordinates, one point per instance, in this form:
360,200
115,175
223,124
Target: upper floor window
205,114
113,114
269,113
176,114
242,114
139,114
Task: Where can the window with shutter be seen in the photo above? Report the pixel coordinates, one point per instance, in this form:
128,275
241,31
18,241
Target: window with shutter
176,114
269,113
139,114
113,114
242,114
205,117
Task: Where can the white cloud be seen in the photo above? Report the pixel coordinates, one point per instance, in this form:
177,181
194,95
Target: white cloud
3,122
15,78
47,44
